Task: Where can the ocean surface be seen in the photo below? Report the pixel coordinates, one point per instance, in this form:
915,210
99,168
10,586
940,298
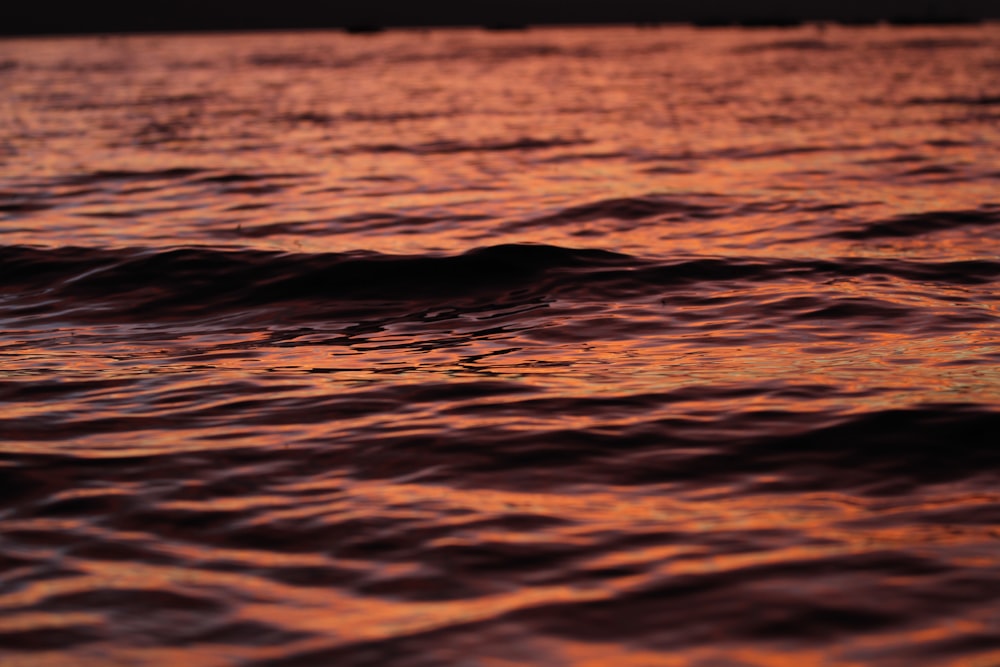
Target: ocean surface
569,346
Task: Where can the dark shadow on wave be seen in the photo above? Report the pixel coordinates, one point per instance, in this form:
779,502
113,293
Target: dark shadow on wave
450,147
931,43
369,222
115,176
625,209
795,45
323,119
955,100
758,602
880,453
630,212
887,452
198,282
916,224
152,101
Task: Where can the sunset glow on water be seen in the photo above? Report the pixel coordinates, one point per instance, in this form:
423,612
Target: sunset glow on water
566,346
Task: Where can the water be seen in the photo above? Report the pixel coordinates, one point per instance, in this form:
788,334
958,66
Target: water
598,346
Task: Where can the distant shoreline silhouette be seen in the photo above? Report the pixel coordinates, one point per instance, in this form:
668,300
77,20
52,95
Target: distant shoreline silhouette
371,17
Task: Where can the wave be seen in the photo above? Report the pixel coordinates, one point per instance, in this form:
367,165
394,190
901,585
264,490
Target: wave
805,45
315,118
916,224
191,175
145,102
367,222
193,281
931,43
959,100
819,507
758,451
493,53
627,208
450,147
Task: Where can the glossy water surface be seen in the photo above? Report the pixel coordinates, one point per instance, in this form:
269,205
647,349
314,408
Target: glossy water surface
588,347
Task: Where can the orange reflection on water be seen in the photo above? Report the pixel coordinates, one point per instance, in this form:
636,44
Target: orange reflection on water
817,528
874,369
338,475
600,115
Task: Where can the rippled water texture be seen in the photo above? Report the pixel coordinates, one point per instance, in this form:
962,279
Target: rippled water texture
559,347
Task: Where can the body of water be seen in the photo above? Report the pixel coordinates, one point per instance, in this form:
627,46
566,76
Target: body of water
583,347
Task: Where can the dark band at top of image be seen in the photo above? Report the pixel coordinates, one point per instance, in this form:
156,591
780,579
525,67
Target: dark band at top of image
61,17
